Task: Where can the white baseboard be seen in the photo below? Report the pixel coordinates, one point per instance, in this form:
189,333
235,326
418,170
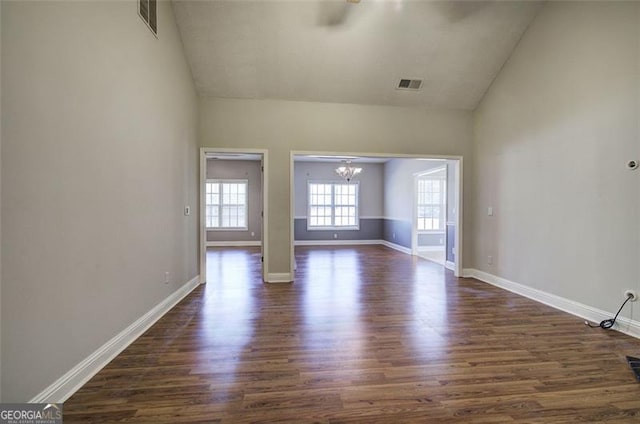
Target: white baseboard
396,247
279,277
234,243
77,376
334,242
595,315
450,265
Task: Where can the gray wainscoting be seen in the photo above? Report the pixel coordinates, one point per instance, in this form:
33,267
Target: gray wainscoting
370,229
451,242
431,239
398,228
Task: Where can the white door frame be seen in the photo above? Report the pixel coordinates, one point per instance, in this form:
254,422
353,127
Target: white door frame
457,271
265,195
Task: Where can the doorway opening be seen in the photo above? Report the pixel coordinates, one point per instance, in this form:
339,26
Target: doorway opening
233,208
430,214
385,208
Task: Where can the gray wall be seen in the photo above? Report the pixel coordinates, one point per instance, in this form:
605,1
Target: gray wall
370,229
397,231
282,126
99,157
552,137
245,170
451,242
399,197
431,238
370,200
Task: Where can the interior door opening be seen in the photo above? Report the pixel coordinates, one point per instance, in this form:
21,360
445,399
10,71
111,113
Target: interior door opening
386,208
430,241
232,204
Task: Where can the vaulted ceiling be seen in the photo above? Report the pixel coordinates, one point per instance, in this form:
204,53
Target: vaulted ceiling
341,52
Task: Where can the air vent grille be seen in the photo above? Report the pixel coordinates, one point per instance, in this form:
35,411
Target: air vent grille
147,11
409,84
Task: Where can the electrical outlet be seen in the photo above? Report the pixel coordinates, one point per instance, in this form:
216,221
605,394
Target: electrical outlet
632,294
166,277
335,236
490,211
490,260
187,210
253,234
393,236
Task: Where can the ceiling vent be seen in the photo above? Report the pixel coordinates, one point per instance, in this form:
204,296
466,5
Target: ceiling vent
147,11
409,84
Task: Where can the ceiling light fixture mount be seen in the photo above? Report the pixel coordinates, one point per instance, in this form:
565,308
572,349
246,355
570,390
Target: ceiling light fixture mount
347,171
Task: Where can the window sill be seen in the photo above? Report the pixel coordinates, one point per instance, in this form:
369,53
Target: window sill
227,229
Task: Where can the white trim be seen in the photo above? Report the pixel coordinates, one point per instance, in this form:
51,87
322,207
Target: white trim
396,247
65,386
265,213
432,171
238,243
450,265
624,325
458,206
202,240
335,242
265,205
279,277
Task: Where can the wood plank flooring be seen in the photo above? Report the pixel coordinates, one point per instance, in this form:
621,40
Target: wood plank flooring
364,335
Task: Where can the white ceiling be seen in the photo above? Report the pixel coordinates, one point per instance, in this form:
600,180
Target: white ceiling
334,51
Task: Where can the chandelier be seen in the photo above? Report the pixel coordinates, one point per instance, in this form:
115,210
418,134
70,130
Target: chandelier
347,171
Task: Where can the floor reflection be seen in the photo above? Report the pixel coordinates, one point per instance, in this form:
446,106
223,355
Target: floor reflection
330,302
233,275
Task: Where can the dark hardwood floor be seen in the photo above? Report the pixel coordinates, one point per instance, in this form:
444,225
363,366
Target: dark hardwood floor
367,335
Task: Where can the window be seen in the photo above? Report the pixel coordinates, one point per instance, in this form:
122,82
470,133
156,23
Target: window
333,205
147,11
226,204
431,203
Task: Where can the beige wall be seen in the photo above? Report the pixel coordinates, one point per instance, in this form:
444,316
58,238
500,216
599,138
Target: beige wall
99,157
283,126
552,137
0,201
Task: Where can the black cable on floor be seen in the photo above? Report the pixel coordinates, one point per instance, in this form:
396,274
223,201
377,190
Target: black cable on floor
608,323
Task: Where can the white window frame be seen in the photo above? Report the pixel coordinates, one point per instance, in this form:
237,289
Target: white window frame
222,181
333,227
442,205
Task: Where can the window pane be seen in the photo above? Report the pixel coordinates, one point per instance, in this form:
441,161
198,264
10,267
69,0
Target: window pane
226,204
332,205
